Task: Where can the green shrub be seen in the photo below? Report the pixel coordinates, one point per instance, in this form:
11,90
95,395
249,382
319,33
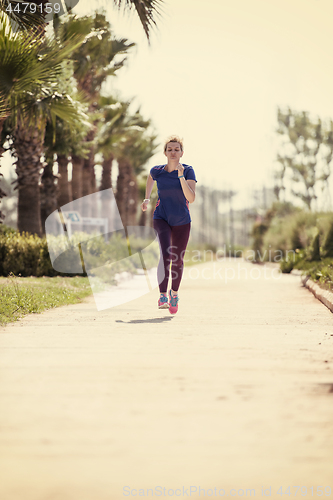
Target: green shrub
296,231
6,230
321,271
328,244
24,254
28,255
295,235
296,242
314,251
291,261
286,265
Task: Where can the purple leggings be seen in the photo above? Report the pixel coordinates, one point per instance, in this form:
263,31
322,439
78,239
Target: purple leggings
173,241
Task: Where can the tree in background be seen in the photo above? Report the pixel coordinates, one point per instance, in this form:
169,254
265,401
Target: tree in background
146,149
123,136
314,251
62,142
52,103
94,61
30,71
328,243
306,153
133,151
112,128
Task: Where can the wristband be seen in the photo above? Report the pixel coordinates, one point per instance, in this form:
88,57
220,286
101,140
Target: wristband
146,199
180,176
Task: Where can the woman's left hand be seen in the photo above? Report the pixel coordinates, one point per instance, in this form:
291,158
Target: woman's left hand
180,169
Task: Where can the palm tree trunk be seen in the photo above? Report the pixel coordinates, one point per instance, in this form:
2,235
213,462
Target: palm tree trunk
2,193
76,184
48,192
28,143
77,163
94,206
2,150
106,182
127,193
86,188
64,194
88,176
108,209
133,201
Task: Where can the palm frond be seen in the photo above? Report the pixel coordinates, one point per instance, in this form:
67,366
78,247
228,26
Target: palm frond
4,111
147,10
28,66
24,60
50,65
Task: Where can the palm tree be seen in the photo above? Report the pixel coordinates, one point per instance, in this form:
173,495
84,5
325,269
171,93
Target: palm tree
145,150
48,190
112,129
133,151
147,11
3,116
62,143
94,62
28,144
29,72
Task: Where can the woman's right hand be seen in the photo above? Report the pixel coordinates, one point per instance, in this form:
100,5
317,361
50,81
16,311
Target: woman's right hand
144,205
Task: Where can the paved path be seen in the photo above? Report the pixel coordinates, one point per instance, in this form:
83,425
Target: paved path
234,392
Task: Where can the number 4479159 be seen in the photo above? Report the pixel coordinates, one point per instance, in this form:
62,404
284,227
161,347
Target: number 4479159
31,7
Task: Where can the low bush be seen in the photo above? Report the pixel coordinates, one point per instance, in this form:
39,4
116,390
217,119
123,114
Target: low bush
328,243
24,254
28,255
303,239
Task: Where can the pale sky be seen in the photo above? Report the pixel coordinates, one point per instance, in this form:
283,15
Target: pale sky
215,72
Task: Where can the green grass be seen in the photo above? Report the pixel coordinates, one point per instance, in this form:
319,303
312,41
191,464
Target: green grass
320,271
20,296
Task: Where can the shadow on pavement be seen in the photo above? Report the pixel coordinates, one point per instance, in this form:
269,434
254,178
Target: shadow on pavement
152,320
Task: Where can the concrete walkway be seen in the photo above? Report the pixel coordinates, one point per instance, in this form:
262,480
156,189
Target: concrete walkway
234,393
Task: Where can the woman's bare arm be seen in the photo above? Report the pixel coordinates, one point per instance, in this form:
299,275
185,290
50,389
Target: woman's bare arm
188,188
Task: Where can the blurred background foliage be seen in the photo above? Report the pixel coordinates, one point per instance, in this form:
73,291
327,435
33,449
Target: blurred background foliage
68,139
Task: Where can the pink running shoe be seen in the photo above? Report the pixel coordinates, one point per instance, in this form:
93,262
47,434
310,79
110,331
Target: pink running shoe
173,303
163,301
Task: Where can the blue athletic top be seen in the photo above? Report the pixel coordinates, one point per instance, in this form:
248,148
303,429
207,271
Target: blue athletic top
171,206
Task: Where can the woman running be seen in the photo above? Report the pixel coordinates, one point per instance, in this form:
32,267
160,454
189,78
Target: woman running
172,221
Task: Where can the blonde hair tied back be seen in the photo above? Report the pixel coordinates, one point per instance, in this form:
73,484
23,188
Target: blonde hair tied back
174,138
